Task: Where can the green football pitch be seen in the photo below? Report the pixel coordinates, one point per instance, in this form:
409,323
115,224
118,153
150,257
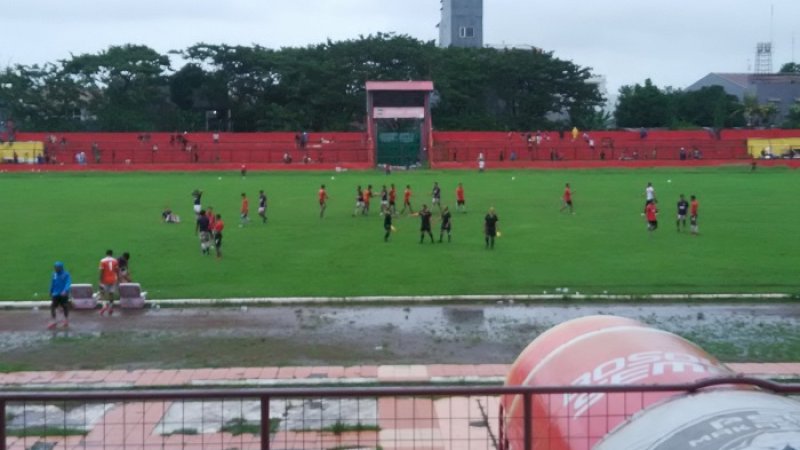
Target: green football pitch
748,222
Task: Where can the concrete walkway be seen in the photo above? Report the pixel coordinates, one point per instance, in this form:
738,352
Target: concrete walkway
304,376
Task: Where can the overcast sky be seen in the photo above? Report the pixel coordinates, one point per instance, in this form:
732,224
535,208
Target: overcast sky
674,42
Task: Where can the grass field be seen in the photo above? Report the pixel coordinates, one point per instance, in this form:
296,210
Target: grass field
749,225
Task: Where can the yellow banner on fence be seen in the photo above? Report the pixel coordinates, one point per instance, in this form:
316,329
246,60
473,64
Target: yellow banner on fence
776,146
27,152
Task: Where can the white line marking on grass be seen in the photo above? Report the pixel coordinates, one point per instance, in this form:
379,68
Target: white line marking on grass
277,301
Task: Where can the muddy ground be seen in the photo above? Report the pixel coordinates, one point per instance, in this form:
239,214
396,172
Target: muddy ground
278,336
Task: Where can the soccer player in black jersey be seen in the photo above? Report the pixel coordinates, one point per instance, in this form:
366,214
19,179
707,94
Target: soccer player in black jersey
683,211
490,228
425,224
446,224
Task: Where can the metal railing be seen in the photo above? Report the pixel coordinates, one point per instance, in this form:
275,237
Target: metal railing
580,151
427,417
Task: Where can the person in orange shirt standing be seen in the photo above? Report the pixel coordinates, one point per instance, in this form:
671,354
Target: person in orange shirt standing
367,197
461,204
109,275
392,199
693,207
323,200
407,200
219,225
567,200
211,217
652,218
244,211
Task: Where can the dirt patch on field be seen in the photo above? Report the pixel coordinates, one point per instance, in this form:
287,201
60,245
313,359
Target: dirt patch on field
219,337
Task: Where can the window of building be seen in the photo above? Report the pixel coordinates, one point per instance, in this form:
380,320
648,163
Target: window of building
466,32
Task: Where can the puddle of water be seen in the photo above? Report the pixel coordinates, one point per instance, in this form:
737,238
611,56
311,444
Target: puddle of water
203,337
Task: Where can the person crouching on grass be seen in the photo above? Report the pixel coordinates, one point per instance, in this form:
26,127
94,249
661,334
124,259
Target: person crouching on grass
60,284
122,263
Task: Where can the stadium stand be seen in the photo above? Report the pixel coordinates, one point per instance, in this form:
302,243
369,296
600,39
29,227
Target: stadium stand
201,148
185,151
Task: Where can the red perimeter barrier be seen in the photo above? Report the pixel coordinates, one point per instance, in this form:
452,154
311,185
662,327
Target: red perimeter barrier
326,151
659,145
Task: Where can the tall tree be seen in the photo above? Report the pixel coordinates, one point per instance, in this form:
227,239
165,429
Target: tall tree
710,106
643,106
318,87
793,119
42,98
790,68
126,87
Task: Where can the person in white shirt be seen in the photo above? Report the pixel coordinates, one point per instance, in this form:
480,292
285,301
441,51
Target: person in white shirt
650,195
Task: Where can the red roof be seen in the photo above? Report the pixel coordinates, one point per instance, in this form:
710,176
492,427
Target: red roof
426,86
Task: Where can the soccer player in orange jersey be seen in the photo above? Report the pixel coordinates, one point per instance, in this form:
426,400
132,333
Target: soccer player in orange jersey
407,200
694,205
109,275
392,200
219,225
245,210
323,200
211,217
461,203
367,198
568,200
652,219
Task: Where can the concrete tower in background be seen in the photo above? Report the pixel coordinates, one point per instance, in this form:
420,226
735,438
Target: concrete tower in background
461,24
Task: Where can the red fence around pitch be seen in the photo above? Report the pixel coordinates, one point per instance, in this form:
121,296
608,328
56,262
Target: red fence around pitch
202,148
609,145
299,418
331,149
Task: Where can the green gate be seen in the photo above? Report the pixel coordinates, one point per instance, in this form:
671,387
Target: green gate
399,148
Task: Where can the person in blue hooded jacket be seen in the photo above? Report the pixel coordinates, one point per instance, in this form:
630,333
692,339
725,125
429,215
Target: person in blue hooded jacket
59,294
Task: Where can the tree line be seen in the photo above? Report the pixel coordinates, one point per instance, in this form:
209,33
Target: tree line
647,105
313,88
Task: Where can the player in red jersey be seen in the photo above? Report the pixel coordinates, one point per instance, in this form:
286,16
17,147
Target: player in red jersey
693,207
211,217
392,200
461,203
367,196
407,200
109,275
651,212
323,200
219,225
567,199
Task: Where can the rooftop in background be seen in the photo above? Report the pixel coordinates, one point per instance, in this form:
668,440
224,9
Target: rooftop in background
780,89
425,86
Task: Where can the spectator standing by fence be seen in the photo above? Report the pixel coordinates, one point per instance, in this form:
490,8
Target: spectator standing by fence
60,284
